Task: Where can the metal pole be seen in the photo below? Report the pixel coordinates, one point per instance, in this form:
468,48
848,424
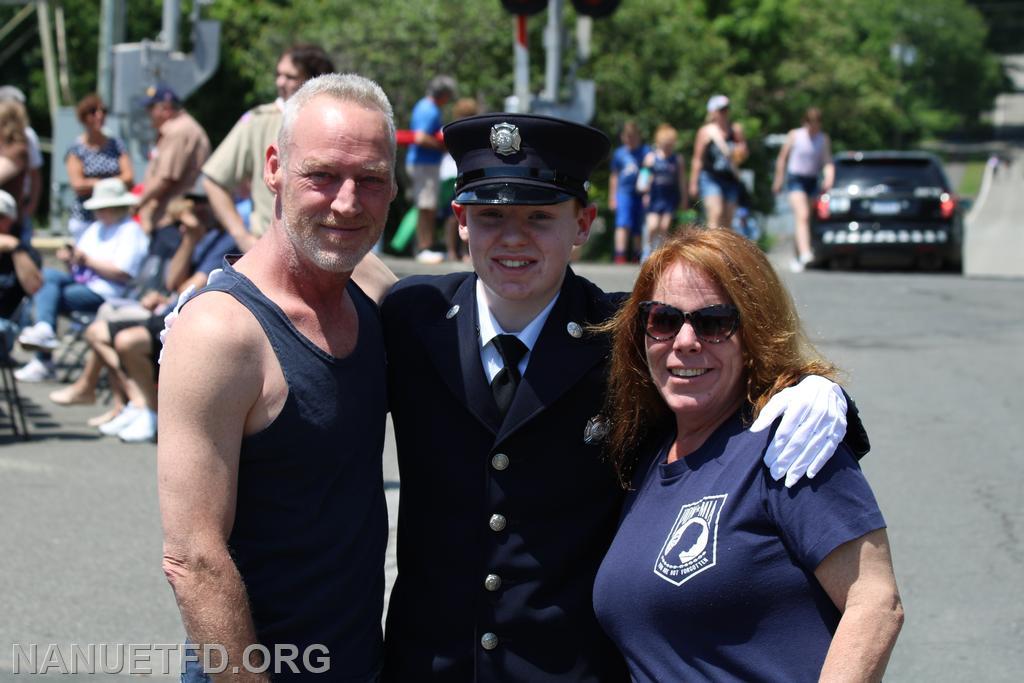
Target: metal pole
104,67
553,47
522,66
49,59
171,24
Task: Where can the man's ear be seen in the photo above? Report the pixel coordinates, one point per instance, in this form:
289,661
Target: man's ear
272,169
584,220
462,216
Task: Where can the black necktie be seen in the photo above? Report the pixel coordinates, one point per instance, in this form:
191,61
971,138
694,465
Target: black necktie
507,380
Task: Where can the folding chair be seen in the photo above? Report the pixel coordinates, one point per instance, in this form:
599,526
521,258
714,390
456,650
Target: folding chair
10,389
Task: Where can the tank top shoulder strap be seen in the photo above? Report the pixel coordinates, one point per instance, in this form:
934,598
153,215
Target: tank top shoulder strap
288,343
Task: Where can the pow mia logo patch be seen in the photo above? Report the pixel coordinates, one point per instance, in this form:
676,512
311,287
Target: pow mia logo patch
505,139
692,543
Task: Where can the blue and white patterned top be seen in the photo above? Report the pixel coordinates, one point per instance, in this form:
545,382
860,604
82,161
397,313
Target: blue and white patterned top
104,162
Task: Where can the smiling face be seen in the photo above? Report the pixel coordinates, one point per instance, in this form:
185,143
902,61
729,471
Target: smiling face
520,252
702,383
335,183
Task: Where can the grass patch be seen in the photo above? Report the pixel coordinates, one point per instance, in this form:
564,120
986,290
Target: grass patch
970,183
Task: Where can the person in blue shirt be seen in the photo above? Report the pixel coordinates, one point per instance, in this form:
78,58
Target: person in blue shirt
423,163
717,571
623,197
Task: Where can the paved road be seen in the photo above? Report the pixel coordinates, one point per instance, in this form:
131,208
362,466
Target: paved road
994,241
934,361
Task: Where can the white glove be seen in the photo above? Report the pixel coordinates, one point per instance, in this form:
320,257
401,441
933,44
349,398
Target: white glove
813,424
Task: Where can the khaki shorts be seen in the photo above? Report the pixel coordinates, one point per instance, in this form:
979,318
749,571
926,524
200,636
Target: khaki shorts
424,184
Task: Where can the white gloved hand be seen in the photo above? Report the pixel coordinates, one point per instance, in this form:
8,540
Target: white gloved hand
813,424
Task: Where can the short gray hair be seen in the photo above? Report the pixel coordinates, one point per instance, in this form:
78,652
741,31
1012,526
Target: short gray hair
351,88
442,85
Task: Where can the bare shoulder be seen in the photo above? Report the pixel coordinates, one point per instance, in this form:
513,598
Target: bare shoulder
215,340
373,277
213,319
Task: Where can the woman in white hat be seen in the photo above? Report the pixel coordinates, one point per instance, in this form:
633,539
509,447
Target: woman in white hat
106,256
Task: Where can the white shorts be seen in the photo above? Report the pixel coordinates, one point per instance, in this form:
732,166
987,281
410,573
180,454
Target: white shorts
424,184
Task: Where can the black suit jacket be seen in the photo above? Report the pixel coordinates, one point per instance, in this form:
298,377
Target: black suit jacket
464,578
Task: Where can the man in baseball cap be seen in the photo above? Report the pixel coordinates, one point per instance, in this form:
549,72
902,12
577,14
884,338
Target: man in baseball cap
181,149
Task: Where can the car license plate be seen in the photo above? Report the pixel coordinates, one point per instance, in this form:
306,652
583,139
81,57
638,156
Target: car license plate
885,208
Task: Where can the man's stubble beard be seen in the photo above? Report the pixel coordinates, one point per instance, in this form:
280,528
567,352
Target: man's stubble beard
304,233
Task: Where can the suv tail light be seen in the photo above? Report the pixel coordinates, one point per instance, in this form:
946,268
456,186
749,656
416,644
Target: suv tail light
821,207
947,205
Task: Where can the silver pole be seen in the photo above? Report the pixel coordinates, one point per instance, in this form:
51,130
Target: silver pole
171,24
553,47
104,67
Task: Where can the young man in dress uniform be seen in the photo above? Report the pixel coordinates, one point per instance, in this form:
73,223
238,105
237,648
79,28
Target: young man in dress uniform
507,506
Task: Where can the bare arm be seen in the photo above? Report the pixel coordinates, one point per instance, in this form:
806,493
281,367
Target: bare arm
25,269
224,209
127,174
210,380
76,176
829,169
430,141
8,170
35,188
180,264
859,579
740,150
105,269
155,188
373,277
697,163
780,163
613,188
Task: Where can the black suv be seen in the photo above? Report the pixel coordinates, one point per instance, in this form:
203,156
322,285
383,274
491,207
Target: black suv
889,208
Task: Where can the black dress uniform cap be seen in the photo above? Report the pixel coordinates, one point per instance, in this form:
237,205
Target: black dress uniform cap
523,158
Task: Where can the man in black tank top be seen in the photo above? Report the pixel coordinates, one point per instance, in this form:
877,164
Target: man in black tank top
272,408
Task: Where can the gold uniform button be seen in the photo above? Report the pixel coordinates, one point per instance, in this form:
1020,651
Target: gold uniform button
497,522
489,641
499,461
492,582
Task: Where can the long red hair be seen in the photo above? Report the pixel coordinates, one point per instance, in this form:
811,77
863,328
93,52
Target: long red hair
776,351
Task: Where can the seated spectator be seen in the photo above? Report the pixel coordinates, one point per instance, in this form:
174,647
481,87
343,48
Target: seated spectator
135,345
19,270
108,255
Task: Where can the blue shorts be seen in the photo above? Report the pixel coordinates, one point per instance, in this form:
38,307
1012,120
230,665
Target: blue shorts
808,184
726,187
629,212
664,201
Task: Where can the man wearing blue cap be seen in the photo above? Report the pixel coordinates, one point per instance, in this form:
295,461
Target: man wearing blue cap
507,506
181,148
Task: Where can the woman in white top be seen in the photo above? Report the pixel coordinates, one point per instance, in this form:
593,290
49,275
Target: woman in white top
100,265
806,155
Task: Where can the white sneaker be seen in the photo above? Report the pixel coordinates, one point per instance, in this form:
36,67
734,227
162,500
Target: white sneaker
39,337
142,428
806,258
36,371
123,419
429,257
796,266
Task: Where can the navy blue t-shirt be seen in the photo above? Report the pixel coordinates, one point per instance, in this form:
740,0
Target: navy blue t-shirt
711,573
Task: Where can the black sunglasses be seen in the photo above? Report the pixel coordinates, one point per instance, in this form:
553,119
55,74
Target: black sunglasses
94,110
712,325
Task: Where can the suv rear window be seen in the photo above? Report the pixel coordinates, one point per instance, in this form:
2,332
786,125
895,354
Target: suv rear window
892,172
